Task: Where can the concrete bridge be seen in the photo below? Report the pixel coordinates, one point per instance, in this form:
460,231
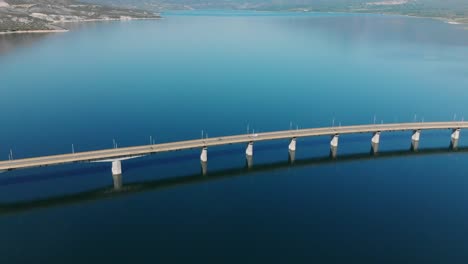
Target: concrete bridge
116,155
119,189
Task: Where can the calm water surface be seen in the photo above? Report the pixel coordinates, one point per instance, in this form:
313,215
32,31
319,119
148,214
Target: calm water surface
221,72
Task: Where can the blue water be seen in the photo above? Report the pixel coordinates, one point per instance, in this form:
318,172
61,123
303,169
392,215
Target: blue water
220,72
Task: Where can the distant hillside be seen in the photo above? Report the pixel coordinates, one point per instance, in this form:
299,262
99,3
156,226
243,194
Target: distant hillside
28,15
454,10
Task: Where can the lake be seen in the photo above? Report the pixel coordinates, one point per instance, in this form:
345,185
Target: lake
220,73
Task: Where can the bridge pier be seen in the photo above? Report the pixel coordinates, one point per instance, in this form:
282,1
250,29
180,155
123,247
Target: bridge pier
117,178
375,141
414,146
376,138
204,168
454,144
334,141
374,148
333,152
292,157
116,167
416,135
415,140
334,146
249,150
249,161
455,134
292,144
117,163
204,154
454,138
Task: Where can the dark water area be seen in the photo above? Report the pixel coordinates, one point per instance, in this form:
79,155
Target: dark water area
220,72
10,42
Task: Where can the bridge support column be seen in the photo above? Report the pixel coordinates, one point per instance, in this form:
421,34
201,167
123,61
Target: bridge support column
454,139
116,167
117,181
415,140
249,150
455,134
416,135
249,161
333,152
292,145
376,138
454,144
334,141
204,168
334,146
374,148
414,146
375,141
292,157
204,154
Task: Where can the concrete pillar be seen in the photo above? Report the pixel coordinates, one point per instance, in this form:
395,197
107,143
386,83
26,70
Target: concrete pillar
204,167
456,134
334,141
416,135
204,154
117,181
454,144
292,157
249,160
116,167
414,145
292,144
249,150
374,148
376,138
375,141
333,152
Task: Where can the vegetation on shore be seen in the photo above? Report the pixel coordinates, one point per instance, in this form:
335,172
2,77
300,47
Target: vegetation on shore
38,15
448,10
43,15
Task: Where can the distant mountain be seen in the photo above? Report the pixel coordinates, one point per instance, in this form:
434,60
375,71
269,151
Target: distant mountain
19,15
27,15
454,10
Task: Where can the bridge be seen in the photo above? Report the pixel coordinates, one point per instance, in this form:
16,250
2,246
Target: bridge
116,155
118,189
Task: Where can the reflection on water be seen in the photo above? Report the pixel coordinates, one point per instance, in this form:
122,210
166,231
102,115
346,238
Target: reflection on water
396,28
9,42
119,188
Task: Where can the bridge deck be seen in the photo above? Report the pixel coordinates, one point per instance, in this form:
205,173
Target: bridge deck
218,141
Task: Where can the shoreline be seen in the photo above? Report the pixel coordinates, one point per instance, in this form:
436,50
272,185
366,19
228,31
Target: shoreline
34,31
442,19
107,19
43,31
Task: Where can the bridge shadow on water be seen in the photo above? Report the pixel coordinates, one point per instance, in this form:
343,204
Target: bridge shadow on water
118,189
